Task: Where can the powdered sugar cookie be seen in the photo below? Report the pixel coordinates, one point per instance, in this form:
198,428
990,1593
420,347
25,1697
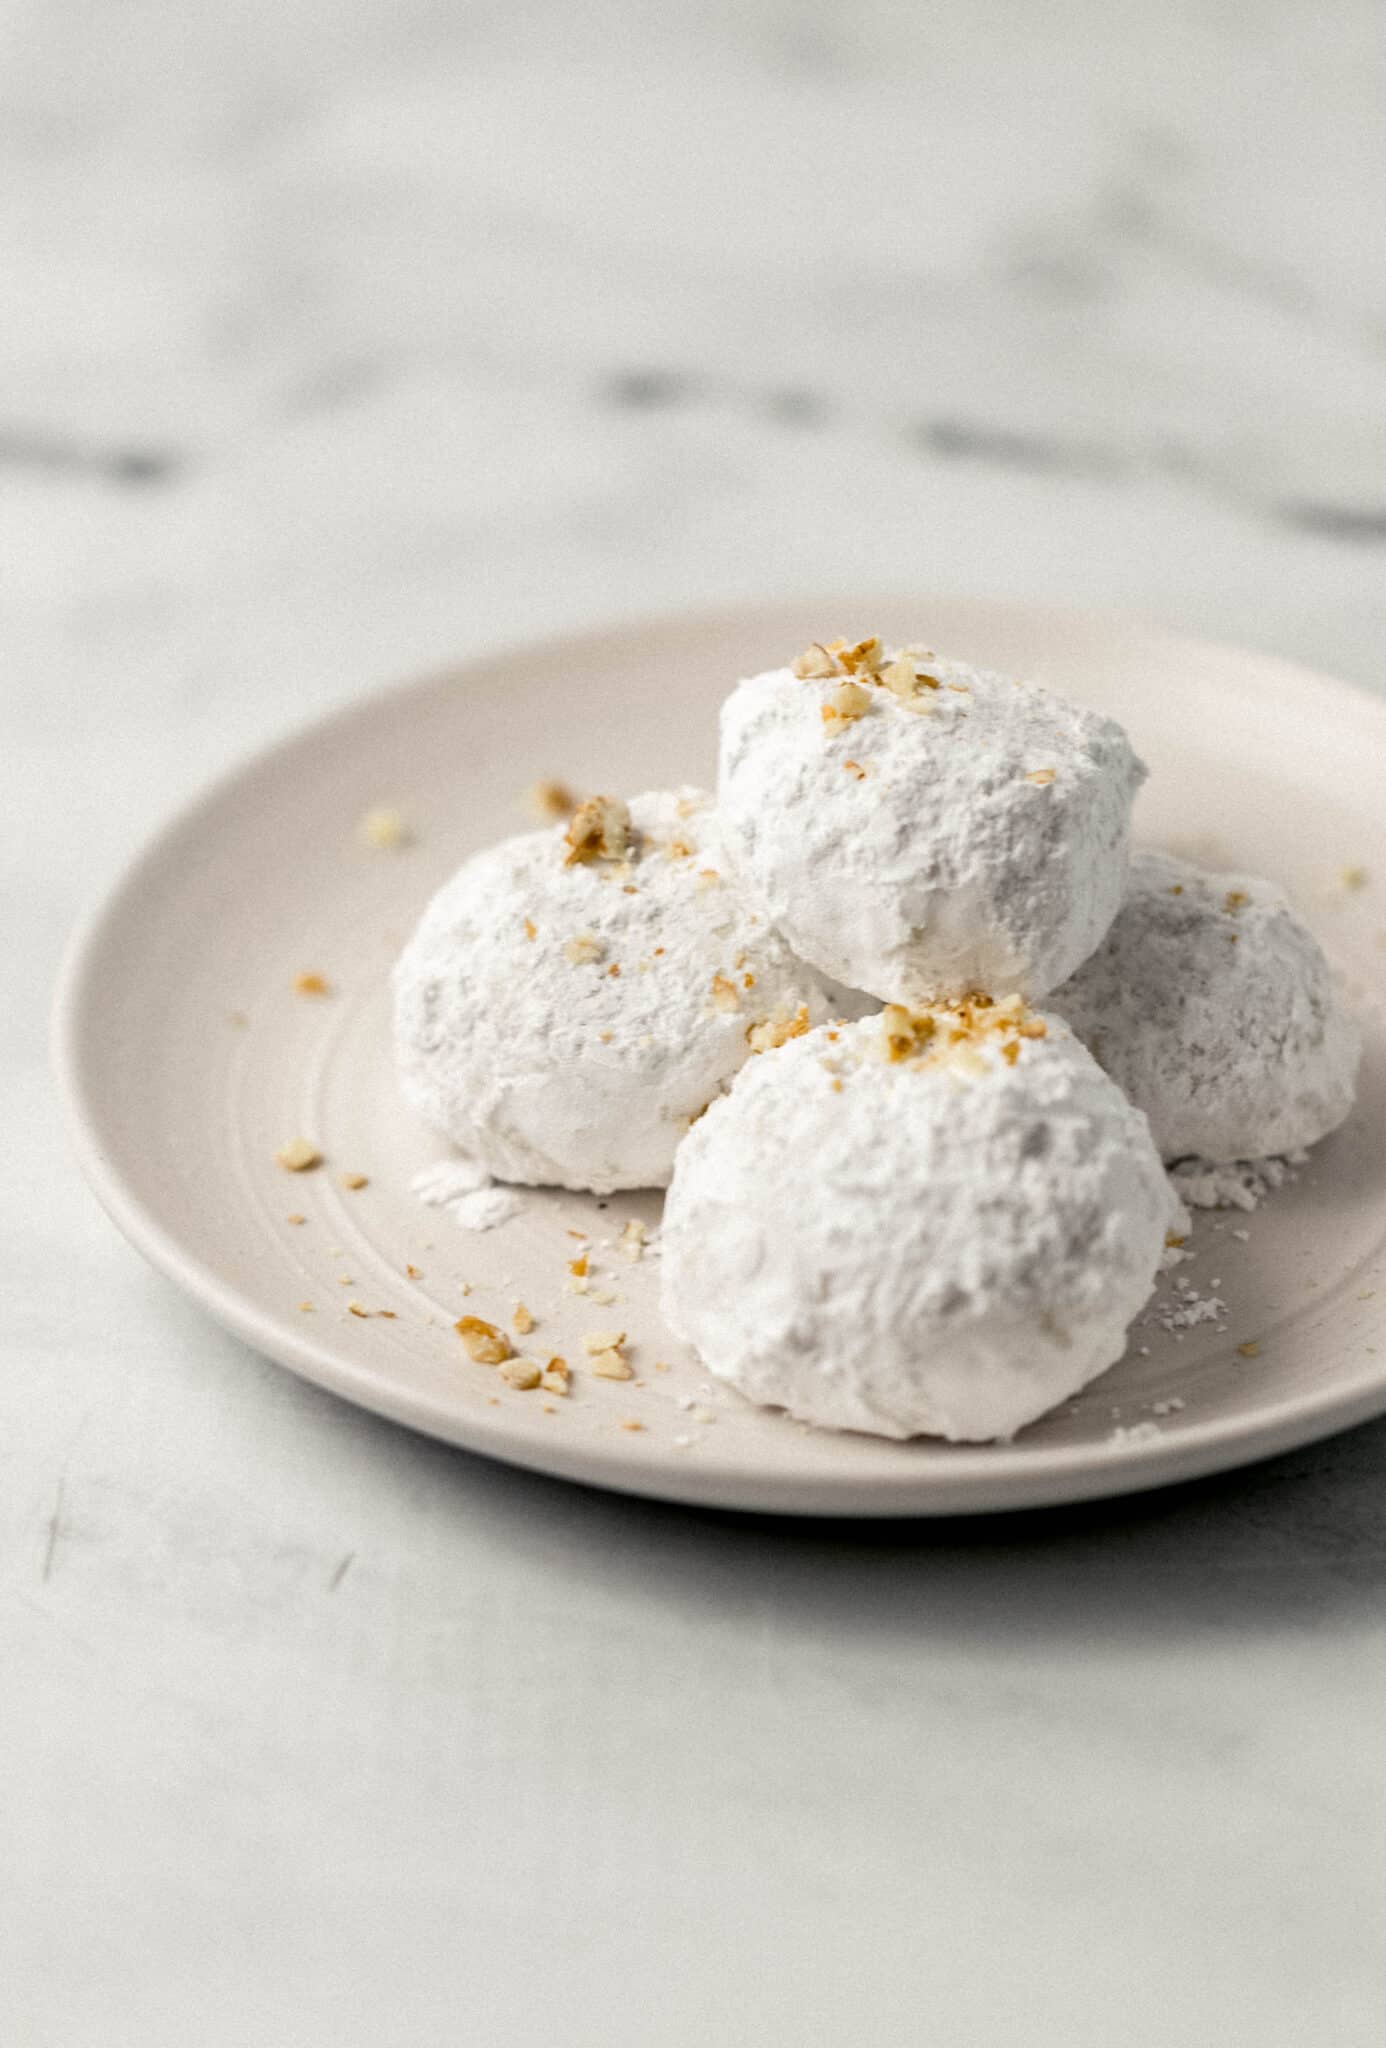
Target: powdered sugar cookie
920,829
936,1222
1214,1009
572,999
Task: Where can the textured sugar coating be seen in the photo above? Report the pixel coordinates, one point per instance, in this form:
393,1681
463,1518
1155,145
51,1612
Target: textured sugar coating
563,1019
948,1245
1214,1009
974,837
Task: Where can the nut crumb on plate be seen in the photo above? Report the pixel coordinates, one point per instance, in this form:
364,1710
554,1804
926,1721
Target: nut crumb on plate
484,1342
384,829
298,1156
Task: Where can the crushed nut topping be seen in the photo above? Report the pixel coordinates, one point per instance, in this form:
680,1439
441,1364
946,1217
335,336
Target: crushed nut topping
854,768
298,1156
603,1340
1235,899
844,704
953,1031
1040,777
724,995
353,1181
531,928
777,1030
312,985
556,1378
521,1373
484,1342
677,849
384,829
863,658
632,1240
904,1032
904,681
583,950
1353,878
1252,1350
550,802
814,663
578,1266
599,829
295,1217
522,1320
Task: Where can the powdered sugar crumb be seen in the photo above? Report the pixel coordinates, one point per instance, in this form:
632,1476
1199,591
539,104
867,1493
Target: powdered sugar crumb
1138,1433
448,1180
1188,1310
1243,1184
465,1189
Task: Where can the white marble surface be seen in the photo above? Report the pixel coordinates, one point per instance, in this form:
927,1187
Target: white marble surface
341,337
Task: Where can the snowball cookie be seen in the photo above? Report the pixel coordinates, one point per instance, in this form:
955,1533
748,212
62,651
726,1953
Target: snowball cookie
921,829
922,1223
571,999
1213,1008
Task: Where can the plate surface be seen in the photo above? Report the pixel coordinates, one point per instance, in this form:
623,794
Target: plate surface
187,1060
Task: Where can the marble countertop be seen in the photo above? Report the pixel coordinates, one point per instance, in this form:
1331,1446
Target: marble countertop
343,338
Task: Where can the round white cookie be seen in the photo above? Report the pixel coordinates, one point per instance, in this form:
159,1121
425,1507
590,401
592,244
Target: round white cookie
921,1223
921,829
1214,1009
571,1000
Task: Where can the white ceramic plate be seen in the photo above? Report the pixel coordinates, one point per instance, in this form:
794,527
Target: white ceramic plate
188,1059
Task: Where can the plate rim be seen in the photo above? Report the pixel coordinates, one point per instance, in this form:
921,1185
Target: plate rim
987,1479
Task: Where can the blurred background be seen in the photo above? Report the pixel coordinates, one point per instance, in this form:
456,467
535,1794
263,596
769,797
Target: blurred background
343,335
339,338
